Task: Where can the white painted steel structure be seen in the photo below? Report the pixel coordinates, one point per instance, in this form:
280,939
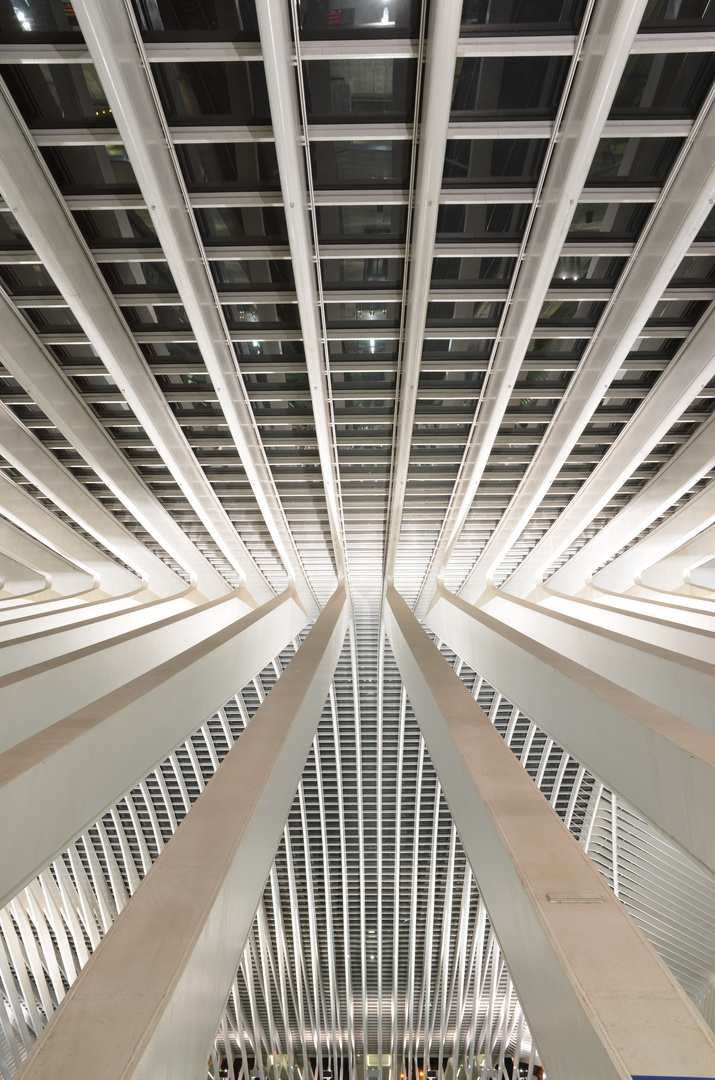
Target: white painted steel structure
297,295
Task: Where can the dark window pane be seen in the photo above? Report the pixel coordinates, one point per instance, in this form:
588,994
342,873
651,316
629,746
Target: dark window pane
21,17
269,272
672,85
348,163
59,93
694,269
26,278
229,165
11,235
440,313
116,225
562,14
341,272
617,219
266,315
227,17
135,276
343,17
636,160
79,169
583,269
524,84
367,87
472,222
365,312
660,13
379,222
469,271
232,224
233,93
484,160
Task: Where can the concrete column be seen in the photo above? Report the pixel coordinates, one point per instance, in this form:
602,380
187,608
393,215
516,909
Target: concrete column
59,780
660,764
149,1002
599,1001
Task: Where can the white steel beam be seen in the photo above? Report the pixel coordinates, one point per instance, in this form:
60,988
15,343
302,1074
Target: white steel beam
63,577
33,698
18,581
684,568
688,197
587,101
37,204
598,1000
660,764
678,673
685,377
206,886
19,507
59,781
115,44
22,449
277,46
691,462
441,56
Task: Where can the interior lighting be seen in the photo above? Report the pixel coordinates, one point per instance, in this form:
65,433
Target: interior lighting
24,20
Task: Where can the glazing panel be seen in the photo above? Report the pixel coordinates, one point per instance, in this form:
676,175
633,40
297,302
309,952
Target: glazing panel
585,312
489,86
11,235
633,160
362,271
226,17
663,85
133,276
58,93
233,224
497,271
347,163
623,220
238,315
573,268
84,169
369,87
560,14
376,222
229,166
343,18
233,93
662,13
116,225
695,269
26,278
485,160
365,311
465,311
470,222
21,17
268,272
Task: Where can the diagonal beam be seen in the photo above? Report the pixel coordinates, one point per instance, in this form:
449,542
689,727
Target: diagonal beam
41,467
684,568
45,219
72,770
33,367
686,375
687,199
115,45
278,49
572,949
604,726
206,888
440,64
63,578
588,101
23,510
693,461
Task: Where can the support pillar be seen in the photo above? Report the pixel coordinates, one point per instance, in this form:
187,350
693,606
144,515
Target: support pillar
599,1001
148,1003
657,762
